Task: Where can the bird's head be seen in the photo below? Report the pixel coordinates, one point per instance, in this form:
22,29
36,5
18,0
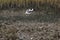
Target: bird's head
31,9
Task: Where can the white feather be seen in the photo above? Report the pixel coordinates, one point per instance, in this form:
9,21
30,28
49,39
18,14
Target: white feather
28,11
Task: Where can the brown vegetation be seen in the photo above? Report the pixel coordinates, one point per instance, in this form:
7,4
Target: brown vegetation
27,3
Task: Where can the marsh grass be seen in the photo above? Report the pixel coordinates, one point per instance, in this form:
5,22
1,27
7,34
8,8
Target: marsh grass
39,5
4,4
46,13
39,18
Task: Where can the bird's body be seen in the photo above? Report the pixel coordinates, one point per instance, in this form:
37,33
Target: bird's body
29,11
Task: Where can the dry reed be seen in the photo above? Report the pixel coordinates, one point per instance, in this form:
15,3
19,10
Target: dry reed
27,3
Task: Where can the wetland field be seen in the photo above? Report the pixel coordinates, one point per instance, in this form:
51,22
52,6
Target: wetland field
42,24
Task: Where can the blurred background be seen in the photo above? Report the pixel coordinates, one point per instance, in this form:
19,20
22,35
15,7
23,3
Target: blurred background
4,4
42,24
43,9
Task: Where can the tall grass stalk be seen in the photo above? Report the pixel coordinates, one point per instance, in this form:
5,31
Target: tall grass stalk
27,3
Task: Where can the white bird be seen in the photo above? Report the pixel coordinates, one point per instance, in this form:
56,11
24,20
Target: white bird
29,11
